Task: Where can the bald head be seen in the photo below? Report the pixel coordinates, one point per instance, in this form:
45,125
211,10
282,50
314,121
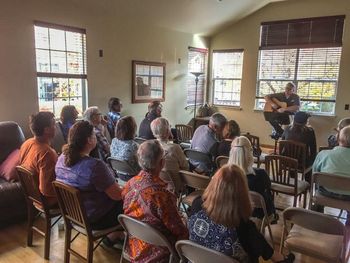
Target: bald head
344,137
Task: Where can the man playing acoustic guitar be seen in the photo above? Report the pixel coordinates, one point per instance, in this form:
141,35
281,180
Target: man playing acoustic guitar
283,104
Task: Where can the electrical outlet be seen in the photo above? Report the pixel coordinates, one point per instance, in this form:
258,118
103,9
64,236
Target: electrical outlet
346,107
100,53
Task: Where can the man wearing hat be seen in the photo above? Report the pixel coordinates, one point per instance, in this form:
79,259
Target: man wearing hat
300,132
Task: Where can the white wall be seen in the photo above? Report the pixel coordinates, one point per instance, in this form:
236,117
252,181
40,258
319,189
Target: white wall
122,41
245,34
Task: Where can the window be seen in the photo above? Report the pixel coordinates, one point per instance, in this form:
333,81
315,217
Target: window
61,67
197,62
306,52
227,77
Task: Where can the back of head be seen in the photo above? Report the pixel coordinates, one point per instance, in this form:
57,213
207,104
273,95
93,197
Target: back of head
154,106
344,137
149,155
160,128
39,121
113,102
90,112
343,122
77,139
226,199
68,114
301,117
241,154
125,128
218,120
231,130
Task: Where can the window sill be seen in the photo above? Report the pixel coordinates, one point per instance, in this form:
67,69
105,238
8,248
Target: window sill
312,114
237,108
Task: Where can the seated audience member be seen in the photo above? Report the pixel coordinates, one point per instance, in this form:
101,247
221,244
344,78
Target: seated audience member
154,111
175,159
230,132
146,199
37,156
100,194
205,139
333,139
123,146
114,106
69,115
300,132
242,155
336,161
94,117
220,219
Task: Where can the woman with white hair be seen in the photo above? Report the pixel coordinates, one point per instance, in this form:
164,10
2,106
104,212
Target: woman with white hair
241,154
175,159
146,198
94,117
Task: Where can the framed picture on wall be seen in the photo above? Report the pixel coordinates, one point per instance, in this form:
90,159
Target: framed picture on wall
148,81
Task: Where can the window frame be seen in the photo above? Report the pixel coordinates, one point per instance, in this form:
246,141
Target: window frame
241,50
52,75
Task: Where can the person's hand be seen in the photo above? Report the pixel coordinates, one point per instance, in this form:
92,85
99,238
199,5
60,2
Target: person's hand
281,110
104,120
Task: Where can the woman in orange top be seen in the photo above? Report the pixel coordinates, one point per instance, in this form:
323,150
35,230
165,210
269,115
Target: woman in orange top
146,199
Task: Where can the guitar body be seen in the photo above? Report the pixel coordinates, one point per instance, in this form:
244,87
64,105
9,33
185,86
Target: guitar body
268,107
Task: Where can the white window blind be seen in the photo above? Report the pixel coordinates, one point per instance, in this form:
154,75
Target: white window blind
61,66
227,77
197,62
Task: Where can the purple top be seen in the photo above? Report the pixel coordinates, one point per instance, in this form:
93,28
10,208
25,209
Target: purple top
92,177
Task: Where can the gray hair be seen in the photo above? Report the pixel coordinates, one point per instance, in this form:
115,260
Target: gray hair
342,123
149,155
344,136
241,154
160,128
89,112
218,120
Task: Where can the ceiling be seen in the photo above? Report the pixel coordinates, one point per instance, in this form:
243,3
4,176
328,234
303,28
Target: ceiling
203,17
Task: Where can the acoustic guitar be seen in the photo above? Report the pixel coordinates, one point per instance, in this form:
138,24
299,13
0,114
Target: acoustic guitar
268,106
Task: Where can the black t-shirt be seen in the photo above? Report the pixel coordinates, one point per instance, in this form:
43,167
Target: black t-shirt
292,100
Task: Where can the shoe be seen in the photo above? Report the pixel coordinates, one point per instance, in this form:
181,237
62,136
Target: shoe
289,259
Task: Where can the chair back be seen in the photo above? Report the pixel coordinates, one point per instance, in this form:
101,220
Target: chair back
71,205
257,201
282,169
198,156
221,161
194,180
314,221
121,166
321,148
255,142
144,232
139,140
30,185
295,150
184,133
331,181
196,253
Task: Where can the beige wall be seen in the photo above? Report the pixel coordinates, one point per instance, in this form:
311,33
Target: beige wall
245,34
122,39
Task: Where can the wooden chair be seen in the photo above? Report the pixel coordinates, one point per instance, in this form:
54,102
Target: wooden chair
258,201
321,148
221,161
146,233
298,151
37,202
122,169
314,234
184,133
74,214
331,181
196,181
192,252
200,157
257,153
281,170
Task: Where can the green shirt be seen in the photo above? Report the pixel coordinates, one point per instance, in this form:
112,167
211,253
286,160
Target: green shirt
335,161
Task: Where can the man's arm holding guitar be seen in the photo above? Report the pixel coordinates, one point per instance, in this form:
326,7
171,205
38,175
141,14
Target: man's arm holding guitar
293,108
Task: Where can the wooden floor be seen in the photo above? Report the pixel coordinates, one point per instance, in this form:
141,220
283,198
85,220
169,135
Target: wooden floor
13,244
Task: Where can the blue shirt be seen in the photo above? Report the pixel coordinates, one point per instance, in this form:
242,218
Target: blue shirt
112,119
92,177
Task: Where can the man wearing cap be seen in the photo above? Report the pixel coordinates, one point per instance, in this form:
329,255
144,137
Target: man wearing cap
336,161
293,104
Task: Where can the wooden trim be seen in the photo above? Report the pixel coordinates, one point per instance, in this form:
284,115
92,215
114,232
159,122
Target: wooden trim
228,50
202,50
305,19
329,45
61,27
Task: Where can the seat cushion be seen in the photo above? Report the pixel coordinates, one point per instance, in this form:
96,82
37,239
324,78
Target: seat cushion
98,233
302,186
331,202
315,244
